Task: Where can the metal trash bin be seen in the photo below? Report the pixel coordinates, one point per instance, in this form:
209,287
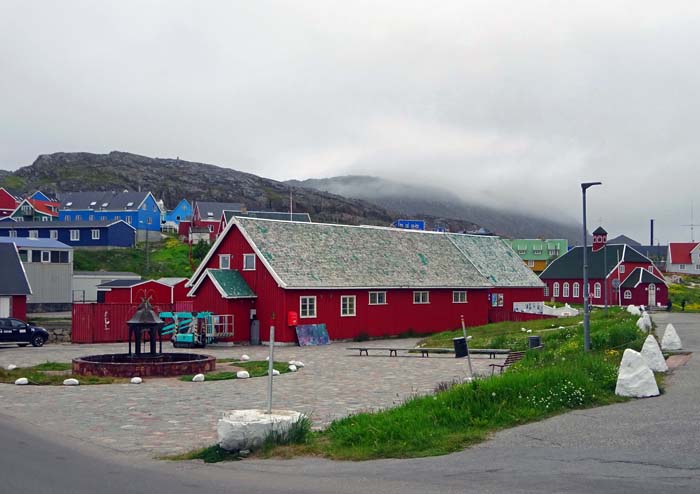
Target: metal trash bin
533,341
460,345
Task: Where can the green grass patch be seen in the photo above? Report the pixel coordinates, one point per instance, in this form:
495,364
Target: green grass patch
256,368
678,292
52,374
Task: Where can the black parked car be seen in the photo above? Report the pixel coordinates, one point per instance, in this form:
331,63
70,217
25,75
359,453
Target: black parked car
16,331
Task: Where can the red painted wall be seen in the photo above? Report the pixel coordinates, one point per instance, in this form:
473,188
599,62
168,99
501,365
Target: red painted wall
7,203
159,293
18,307
180,292
209,299
640,295
510,295
118,296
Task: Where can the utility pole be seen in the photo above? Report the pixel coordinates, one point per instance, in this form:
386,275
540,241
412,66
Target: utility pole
692,225
586,309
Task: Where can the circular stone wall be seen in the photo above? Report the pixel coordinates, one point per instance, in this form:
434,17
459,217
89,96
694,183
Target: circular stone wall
125,365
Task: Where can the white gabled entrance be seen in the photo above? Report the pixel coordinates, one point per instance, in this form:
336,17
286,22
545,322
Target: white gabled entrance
5,306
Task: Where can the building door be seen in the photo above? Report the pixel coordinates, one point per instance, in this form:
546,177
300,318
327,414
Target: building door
5,306
651,289
254,332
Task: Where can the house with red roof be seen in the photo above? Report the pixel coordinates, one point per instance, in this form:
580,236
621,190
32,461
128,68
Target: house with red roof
35,210
683,258
618,271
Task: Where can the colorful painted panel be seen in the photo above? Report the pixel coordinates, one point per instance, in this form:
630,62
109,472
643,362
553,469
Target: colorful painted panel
312,335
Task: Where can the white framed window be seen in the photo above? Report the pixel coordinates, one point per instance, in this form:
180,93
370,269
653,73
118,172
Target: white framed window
33,233
117,217
19,218
577,290
522,252
26,209
421,297
103,217
45,218
74,235
307,307
530,263
565,290
537,252
596,290
622,269
95,234
377,298
13,233
681,267
149,220
555,289
53,234
210,228
45,256
546,290
628,294
248,262
128,220
224,261
347,306
78,217
697,267
459,296
91,217
68,217
93,203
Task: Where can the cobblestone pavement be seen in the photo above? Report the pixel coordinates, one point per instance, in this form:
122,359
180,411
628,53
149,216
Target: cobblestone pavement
168,416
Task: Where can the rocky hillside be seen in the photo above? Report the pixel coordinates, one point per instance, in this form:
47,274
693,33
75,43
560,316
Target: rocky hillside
418,202
174,179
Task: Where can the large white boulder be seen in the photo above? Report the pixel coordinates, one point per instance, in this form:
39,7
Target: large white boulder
198,378
22,381
644,323
242,375
635,378
136,380
292,368
247,429
634,310
11,367
71,382
653,356
670,340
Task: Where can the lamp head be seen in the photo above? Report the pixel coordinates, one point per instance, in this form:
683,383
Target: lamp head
586,185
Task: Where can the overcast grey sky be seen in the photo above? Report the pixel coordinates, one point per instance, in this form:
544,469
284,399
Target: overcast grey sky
510,103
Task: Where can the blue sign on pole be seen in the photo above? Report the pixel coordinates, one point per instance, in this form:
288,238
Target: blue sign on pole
409,224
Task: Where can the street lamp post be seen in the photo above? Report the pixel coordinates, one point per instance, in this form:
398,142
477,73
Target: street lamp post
586,310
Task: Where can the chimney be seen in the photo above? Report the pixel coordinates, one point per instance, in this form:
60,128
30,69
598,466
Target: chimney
651,232
600,238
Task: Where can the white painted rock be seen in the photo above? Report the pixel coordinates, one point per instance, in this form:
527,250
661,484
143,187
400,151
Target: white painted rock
635,378
247,429
267,359
523,330
670,340
136,380
275,372
198,378
71,382
242,375
529,331
634,310
245,358
22,381
11,367
299,364
292,368
653,356
644,323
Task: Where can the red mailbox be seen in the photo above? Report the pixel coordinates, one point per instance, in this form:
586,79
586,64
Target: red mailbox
292,318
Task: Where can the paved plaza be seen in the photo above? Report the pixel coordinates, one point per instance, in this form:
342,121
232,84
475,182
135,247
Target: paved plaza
166,416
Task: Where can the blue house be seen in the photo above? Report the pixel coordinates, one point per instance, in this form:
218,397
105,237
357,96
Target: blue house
40,196
138,209
104,234
172,218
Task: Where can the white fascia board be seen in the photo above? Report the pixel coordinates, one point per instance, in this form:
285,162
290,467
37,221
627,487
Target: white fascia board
115,223
144,200
194,289
399,287
210,254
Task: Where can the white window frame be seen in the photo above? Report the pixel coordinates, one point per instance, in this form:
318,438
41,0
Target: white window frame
67,217
13,233
95,234
697,267
576,290
45,256
421,297
555,289
78,217
596,290
622,269
91,217
377,298
348,302
681,267
33,233
247,257
306,312
53,234
530,263
628,295
459,296
224,261
74,235
149,220
45,218
565,290
546,290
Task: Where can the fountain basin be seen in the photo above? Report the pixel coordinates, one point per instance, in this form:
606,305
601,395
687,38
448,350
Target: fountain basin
143,365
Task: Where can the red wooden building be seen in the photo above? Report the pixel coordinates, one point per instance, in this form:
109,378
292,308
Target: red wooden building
15,286
357,280
8,202
617,270
133,291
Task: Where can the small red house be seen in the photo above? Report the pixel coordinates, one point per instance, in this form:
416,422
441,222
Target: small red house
355,280
15,286
614,270
178,288
133,291
208,215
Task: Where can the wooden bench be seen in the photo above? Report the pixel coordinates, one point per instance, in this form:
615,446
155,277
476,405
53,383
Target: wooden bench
425,352
512,358
491,352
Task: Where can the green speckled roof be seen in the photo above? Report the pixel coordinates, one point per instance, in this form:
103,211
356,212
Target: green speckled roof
314,255
495,259
231,284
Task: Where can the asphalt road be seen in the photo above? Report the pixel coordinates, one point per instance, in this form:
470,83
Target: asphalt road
642,446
